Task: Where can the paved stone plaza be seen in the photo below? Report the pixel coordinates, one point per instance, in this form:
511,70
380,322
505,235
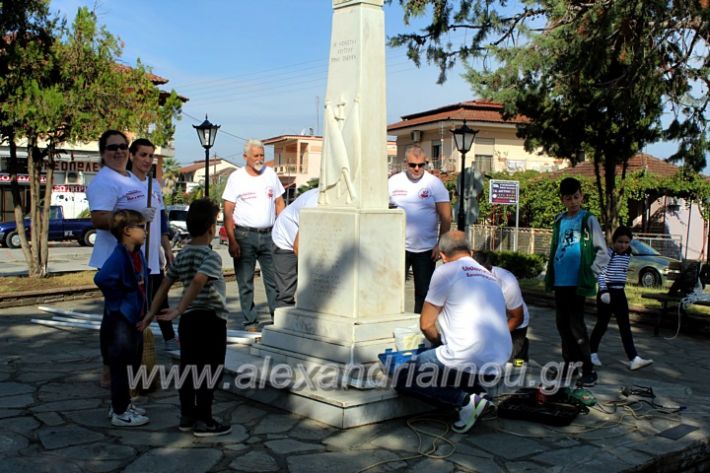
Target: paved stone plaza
53,416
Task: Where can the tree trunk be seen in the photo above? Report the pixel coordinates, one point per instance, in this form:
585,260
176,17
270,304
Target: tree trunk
19,211
44,234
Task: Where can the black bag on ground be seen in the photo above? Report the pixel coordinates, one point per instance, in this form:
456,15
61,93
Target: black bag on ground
532,405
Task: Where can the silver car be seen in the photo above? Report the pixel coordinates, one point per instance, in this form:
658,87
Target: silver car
648,268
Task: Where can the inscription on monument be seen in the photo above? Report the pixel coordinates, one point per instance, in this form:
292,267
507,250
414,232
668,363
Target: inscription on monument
343,51
331,265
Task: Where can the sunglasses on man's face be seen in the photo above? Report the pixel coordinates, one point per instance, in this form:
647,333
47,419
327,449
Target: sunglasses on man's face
116,147
417,165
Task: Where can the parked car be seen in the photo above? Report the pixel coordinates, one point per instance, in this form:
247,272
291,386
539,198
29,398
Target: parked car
60,229
177,216
648,268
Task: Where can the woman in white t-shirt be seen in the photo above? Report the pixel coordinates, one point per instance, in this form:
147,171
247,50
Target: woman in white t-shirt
112,189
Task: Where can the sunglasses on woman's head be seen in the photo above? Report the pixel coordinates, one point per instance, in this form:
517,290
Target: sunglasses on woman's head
116,147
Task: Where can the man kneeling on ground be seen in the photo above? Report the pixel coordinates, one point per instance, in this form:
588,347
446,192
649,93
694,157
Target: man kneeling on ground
464,318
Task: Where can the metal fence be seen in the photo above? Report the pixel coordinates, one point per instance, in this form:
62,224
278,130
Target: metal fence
670,245
537,240
530,240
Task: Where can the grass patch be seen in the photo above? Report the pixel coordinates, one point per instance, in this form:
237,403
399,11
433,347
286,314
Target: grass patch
633,294
13,284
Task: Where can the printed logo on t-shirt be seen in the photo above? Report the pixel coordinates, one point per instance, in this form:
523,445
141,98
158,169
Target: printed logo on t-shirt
270,192
399,193
135,194
474,271
424,193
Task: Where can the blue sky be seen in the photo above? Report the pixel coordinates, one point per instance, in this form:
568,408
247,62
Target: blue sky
257,67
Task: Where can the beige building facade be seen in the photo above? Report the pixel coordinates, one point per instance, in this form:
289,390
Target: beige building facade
297,158
496,147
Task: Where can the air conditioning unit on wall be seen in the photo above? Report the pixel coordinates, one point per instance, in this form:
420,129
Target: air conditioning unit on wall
416,136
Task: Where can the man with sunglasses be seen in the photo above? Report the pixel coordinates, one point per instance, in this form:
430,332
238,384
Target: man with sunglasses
426,204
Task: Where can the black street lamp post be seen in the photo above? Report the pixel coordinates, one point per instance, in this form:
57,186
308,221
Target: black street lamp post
206,132
463,137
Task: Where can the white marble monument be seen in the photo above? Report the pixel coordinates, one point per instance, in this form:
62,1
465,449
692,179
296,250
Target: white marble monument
351,250
350,294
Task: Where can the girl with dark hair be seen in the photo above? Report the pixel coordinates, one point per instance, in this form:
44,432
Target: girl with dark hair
611,299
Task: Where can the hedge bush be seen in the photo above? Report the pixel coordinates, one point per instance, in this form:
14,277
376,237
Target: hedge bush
522,265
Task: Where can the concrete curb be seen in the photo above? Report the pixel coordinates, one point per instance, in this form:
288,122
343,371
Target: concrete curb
45,296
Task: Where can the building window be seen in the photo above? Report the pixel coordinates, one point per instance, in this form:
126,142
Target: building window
484,163
436,156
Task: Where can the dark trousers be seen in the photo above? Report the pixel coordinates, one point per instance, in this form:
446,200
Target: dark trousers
430,380
121,346
570,325
285,276
254,247
203,345
166,327
521,344
422,268
618,306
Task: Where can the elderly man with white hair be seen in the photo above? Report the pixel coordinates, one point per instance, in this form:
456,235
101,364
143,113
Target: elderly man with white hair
252,200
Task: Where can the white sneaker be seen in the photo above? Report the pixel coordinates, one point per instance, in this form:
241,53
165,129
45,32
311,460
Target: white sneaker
129,419
638,363
595,360
469,413
131,407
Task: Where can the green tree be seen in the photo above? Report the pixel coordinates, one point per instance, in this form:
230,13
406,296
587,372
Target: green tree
75,91
595,78
310,184
171,174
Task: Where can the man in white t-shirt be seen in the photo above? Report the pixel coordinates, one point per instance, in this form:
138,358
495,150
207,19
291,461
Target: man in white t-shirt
285,238
252,200
425,201
464,319
516,308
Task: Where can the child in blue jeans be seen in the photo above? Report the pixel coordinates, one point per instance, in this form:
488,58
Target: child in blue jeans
122,282
611,299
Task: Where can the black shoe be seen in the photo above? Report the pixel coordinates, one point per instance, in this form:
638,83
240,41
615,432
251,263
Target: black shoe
588,380
212,429
186,424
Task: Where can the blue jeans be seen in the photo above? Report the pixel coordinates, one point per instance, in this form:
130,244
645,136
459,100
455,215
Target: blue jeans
422,269
442,386
254,247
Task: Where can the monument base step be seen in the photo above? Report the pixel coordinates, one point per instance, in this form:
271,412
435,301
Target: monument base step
323,396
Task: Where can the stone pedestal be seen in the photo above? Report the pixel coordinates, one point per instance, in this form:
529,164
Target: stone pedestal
350,293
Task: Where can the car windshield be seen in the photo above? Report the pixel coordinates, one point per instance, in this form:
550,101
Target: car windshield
642,249
178,215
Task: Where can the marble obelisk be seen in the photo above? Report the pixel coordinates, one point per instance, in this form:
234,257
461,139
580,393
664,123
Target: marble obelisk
350,293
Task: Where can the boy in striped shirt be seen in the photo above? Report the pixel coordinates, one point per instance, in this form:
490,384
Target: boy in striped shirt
203,321
611,299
